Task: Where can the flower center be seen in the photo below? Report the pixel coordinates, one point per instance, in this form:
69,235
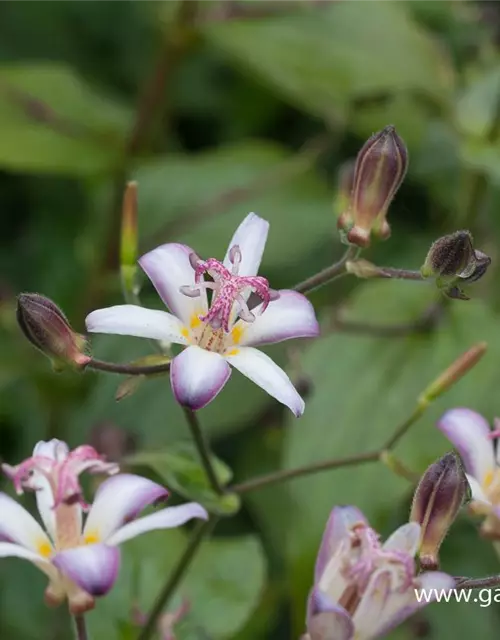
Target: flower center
367,556
229,296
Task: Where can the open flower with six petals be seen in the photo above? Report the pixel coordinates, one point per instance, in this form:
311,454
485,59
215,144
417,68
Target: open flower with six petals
222,331
80,560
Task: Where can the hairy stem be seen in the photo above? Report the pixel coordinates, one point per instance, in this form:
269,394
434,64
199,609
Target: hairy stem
327,275
396,274
201,530
315,467
80,628
203,450
128,369
478,583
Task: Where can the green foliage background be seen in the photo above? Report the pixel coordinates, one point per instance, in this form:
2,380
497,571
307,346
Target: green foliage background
262,103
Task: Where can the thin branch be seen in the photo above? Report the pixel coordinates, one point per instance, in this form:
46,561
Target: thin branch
327,275
128,369
288,474
477,583
396,274
80,628
203,450
173,581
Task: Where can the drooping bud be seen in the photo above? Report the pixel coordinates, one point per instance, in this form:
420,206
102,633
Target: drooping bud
48,329
379,171
452,260
436,503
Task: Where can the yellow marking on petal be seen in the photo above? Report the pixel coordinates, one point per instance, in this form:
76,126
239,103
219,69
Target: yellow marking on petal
92,538
233,352
185,332
44,548
488,479
237,333
195,321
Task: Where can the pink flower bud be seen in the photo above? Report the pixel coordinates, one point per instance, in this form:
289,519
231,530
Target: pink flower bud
48,329
379,171
436,503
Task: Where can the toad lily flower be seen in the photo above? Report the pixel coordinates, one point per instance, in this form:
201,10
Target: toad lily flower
80,562
471,435
220,333
364,588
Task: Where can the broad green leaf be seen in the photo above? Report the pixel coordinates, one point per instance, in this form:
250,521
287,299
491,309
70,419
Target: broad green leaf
477,105
223,584
363,388
482,157
320,60
51,121
180,467
201,199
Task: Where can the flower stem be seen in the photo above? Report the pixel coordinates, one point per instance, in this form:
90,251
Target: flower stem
327,275
288,474
478,583
80,628
396,274
128,369
203,450
404,427
199,533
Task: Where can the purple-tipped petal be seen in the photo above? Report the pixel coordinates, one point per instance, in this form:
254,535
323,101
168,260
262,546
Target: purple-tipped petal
327,620
17,525
93,567
131,320
340,523
197,376
470,432
169,268
165,519
402,605
264,372
250,237
290,316
118,500
405,539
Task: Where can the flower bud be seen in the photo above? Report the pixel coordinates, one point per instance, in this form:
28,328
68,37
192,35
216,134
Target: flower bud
437,500
453,258
48,329
379,171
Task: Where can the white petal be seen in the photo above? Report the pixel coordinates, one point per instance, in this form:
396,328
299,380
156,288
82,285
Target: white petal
251,238
168,267
370,614
119,499
470,432
9,550
131,320
290,316
165,519
327,620
477,491
197,376
54,449
93,567
338,528
17,525
406,539
264,372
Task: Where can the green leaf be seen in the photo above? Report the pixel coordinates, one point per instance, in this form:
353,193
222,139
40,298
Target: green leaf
320,60
52,122
223,584
180,467
363,388
476,107
223,186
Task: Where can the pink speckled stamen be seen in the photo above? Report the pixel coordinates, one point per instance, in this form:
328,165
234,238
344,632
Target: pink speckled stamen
228,288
